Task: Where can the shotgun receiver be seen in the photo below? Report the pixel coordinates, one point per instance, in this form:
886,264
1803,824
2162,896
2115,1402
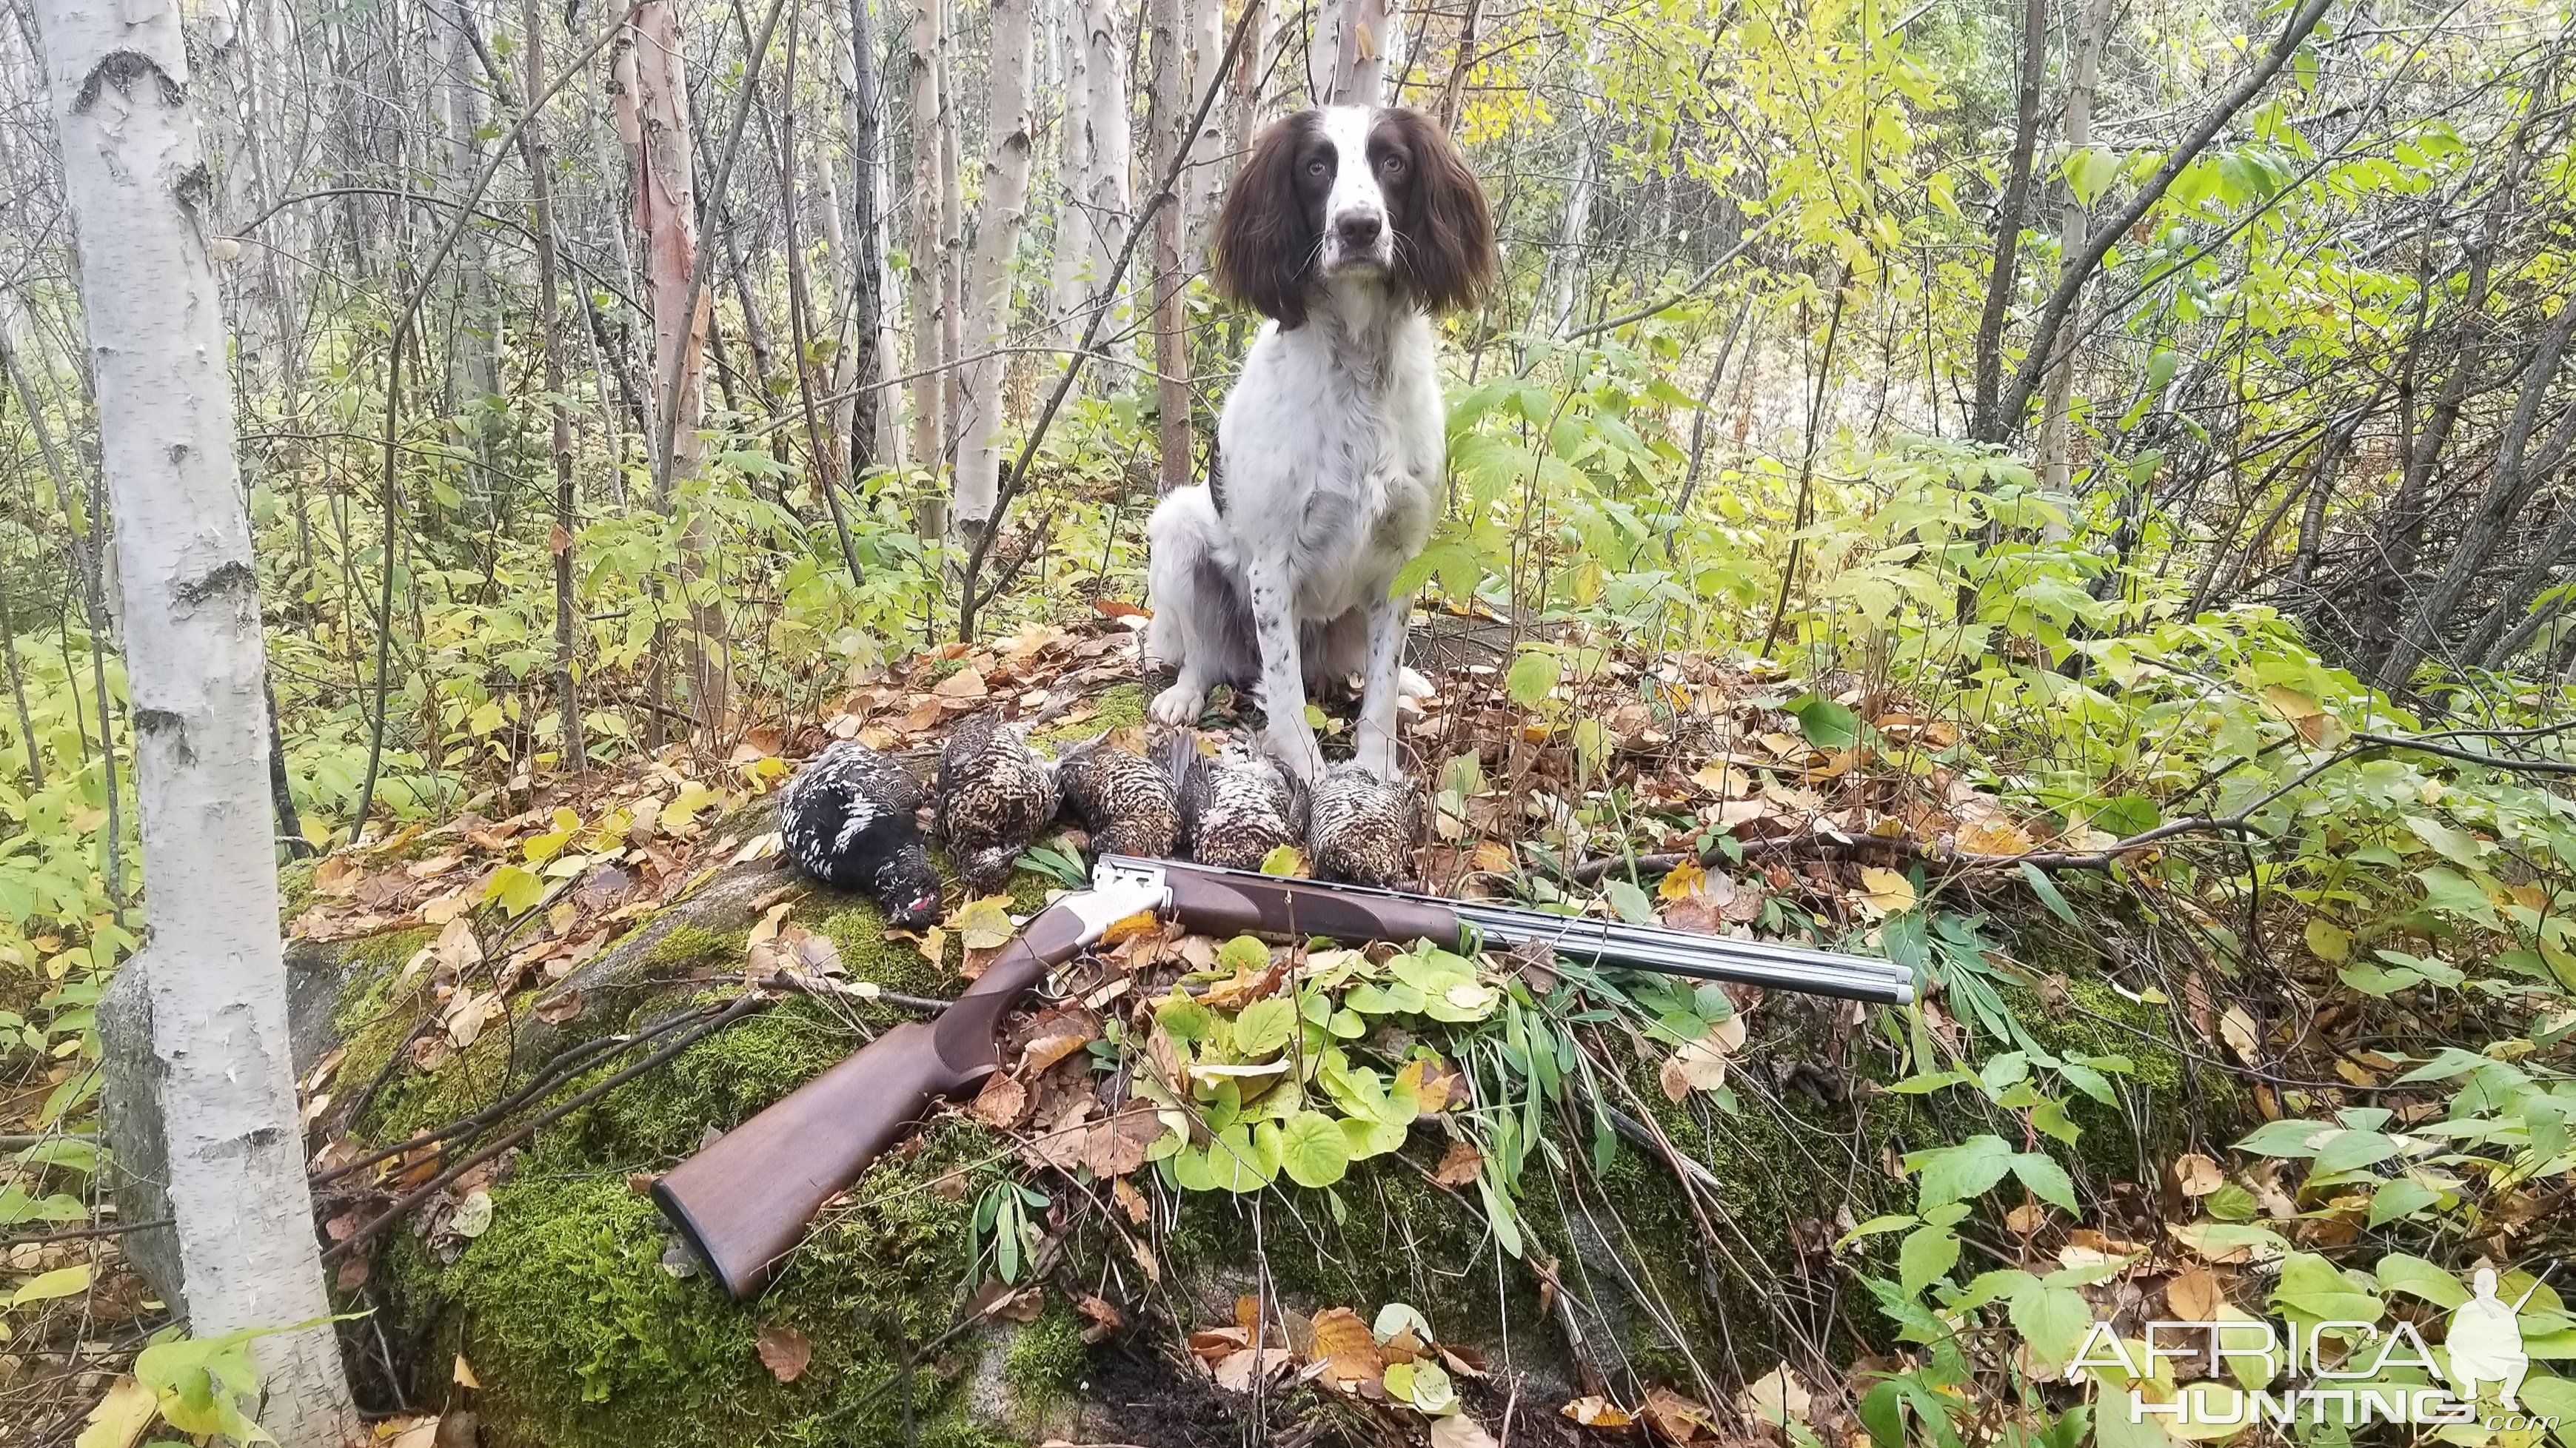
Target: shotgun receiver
745,1200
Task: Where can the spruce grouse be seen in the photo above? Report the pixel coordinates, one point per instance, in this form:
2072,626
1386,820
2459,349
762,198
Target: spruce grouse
847,820
994,795
1237,807
1362,828
1125,800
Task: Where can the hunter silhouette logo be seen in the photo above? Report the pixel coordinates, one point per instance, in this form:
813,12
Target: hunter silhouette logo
2343,1372
2486,1344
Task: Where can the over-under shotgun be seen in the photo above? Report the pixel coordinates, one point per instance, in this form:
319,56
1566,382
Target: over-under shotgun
745,1200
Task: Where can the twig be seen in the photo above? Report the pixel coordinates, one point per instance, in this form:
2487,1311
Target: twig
513,1137
78,1233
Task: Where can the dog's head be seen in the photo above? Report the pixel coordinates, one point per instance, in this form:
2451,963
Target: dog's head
1361,191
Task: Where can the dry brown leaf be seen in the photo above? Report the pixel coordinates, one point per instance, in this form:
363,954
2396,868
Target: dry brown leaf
1117,1146
464,1374
2237,1028
1001,1103
1459,1164
967,684
560,1007
785,1352
1457,1430
1777,1398
1346,1347
1237,1370
1104,1319
2194,1295
1596,1413
1994,836
1130,1200
408,1432
1679,1420
456,948
2197,1175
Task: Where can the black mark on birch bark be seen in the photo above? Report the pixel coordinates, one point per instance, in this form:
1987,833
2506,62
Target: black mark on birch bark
122,68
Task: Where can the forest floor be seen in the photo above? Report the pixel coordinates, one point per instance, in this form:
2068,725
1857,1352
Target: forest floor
1704,791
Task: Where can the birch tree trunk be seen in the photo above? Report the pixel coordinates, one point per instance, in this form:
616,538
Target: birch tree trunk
1165,122
952,241
653,121
1346,54
2056,459
1208,147
929,387
1105,184
1252,70
1070,271
140,200
1565,264
1010,135
865,266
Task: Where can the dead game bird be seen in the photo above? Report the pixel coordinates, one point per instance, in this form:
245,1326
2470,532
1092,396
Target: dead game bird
994,795
847,820
1125,800
1361,828
1237,807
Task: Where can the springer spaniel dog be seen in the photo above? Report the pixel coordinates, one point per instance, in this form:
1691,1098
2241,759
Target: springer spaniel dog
1348,227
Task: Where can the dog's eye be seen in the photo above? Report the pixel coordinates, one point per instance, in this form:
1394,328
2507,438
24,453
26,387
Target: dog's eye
1392,165
1318,169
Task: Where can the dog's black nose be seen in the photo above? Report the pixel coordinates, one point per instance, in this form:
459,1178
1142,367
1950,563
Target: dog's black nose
1359,231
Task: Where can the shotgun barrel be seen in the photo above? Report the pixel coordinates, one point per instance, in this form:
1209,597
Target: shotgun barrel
744,1201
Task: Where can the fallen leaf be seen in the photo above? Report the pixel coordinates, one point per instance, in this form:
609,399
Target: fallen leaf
2197,1175
1681,1421
983,923
1346,1347
1237,1370
464,1374
785,1352
408,1433
1105,1319
1113,1147
120,1417
967,683
1457,1430
1596,1413
1994,836
473,1215
560,1007
1884,891
1777,1398
1459,1164
1130,1200
1001,1103
2194,1295
2237,1028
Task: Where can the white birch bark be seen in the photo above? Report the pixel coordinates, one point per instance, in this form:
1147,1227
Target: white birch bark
1069,277
929,388
1208,147
141,200
2056,458
1111,153
1564,264
1346,53
1010,137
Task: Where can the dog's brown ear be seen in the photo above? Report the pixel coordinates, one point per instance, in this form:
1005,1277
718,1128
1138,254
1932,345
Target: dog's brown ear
1447,261
1266,242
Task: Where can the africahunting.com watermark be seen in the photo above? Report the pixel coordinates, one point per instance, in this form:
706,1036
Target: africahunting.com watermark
2348,1373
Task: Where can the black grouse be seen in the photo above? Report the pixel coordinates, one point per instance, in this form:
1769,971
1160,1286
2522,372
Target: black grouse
994,795
847,820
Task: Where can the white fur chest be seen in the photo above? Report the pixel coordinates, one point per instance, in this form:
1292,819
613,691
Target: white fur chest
1332,450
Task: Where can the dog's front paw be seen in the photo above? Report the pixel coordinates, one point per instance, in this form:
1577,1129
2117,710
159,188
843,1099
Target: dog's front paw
1177,707
1296,750
1410,685
1375,753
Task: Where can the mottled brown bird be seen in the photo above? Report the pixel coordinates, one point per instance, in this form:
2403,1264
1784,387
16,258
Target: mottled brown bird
847,819
1237,807
994,795
1125,800
1362,828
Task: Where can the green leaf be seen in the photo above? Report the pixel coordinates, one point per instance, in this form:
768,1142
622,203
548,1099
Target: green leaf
1960,1173
2458,848
2454,894
2346,1150
2045,1178
61,1282
1826,724
2315,1288
1630,902
1312,1149
2400,1199
1533,675
2047,891
1184,1019
1243,955
2416,1277
2285,1137
2090,171
1924,1256
1882,1412
516,889
2052,1320
1263,1027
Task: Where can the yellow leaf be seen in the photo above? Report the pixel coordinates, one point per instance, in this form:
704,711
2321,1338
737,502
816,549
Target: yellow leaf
1992,836
120,1417
1885,892
1683,882
61,1282
465,1374
2290,703
1596,1413
985,923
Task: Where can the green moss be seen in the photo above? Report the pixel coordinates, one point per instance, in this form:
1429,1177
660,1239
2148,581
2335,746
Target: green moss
295,886
685,947
1046,1358
583,1340
1118,707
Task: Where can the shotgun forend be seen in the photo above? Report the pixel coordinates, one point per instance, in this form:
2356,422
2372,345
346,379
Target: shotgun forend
745,1200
